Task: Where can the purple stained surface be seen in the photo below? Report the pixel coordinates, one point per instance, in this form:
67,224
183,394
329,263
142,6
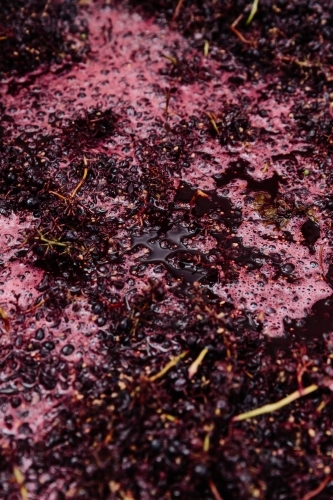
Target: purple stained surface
124,75
185,200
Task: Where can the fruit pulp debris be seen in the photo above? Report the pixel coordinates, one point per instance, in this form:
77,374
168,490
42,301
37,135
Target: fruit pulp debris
161,199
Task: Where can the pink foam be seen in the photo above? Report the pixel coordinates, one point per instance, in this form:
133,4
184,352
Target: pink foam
132,82
124,74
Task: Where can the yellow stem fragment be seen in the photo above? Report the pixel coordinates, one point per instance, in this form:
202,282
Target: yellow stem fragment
206,48
167,416
168,366
172,59
264,170
19,478
253,12
198,194
212,118
195,365
276,406
4,317
127,495
206,443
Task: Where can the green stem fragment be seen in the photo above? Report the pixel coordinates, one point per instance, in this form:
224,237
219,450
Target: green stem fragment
276,406
52,242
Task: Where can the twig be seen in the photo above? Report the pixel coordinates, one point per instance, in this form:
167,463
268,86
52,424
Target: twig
51,242
167,101
304,64
214,490
213,119
321,260
276,406
47,4
236,32
76,189
59,195
168,367
85,173
195,365
319,488
177,10
253,12
39,304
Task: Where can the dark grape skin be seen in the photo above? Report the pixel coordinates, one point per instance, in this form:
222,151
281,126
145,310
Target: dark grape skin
67,350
